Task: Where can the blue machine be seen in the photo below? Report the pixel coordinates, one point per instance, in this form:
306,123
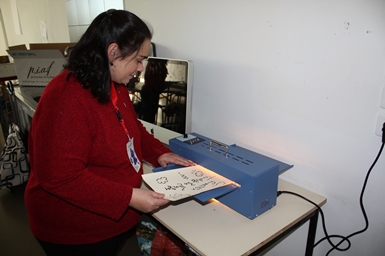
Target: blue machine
256,174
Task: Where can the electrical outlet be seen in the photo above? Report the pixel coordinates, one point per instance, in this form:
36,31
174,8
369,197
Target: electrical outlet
380,122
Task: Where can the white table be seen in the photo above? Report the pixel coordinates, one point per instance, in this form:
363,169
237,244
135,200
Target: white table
214,229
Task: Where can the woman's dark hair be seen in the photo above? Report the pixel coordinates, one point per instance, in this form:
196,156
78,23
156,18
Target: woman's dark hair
88,61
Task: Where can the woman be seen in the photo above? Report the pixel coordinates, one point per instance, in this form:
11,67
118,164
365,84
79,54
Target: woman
86,144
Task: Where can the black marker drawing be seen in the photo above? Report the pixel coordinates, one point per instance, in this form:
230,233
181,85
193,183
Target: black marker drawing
185,182
162,180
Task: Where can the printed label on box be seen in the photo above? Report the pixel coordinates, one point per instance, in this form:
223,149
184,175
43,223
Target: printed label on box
37,67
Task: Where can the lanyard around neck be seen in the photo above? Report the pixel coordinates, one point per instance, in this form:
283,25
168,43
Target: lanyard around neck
114,100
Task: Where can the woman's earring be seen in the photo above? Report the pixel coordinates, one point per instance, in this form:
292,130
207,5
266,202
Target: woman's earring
111,64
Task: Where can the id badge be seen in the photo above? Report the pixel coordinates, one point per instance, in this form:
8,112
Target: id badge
132,155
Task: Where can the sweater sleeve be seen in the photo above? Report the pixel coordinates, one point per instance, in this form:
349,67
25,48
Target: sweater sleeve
151,147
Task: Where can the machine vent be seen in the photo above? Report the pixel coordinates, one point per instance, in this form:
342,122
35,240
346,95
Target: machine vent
221,151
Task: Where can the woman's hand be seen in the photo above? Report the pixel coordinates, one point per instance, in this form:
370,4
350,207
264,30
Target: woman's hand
146,200
172,158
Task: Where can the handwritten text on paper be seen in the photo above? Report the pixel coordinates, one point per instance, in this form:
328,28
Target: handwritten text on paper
185,182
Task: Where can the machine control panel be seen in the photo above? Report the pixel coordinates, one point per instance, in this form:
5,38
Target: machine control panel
190,139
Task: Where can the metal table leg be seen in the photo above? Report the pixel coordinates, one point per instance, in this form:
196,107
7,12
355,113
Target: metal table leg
311,234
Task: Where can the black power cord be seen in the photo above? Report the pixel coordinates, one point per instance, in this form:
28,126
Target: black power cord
344,238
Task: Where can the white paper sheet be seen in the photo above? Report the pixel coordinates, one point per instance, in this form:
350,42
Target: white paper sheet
185,182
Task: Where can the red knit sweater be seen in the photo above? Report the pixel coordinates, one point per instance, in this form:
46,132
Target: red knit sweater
81,179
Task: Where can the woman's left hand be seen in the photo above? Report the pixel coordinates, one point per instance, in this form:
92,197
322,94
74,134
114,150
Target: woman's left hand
172,158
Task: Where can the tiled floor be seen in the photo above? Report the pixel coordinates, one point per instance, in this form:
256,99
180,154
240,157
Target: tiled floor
15,237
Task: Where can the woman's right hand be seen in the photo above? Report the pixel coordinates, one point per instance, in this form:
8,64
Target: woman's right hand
147,200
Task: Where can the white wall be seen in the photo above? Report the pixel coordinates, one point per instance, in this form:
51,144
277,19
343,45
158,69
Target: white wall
297,80
80,14
31,13
54,14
